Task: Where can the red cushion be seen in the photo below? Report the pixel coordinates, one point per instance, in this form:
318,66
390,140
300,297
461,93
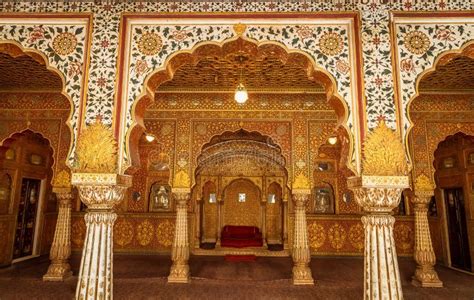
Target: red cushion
241,236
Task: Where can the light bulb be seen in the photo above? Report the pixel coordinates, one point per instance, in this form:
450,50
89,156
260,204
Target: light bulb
241,94
332,140
149,137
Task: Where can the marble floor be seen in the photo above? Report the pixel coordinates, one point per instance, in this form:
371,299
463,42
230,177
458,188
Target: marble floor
144,277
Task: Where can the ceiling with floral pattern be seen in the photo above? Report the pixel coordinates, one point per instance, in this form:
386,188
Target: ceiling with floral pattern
25,74
258,74
456,75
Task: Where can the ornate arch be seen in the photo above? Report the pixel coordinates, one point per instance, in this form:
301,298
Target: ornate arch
62,44
420,45
155,51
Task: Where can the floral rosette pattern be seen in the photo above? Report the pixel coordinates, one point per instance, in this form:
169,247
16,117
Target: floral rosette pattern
64,47
419,45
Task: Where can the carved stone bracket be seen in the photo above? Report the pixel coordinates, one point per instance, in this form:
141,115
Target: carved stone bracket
301,252
100,192
179,272
425,274
59,269
378,195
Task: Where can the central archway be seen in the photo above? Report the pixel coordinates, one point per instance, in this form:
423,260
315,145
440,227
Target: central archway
298,59
240,181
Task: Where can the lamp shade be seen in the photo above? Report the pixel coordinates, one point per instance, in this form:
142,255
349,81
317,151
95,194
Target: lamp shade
241,94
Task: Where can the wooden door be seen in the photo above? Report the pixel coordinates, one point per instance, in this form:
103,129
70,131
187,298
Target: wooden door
457,229
26,218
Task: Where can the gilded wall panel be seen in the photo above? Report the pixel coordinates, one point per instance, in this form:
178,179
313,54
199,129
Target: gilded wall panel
239,211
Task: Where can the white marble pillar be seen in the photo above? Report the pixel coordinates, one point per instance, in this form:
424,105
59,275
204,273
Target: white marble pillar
179,272
59,269
101,193
378,195
425,274
301,252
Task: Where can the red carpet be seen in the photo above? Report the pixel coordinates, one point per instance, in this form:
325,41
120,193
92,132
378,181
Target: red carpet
238,258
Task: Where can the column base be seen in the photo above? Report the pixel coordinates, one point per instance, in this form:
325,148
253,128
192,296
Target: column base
302,276
426,279
179,274
58,272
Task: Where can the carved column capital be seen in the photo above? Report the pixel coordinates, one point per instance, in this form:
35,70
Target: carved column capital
378,195
101,193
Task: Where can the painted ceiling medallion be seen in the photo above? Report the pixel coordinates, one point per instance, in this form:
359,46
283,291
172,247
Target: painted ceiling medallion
417,42
150,43
331,44
64,43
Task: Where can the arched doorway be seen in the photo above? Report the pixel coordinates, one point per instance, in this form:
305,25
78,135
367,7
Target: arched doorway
31,101
26,159
441,109
241,175
454,164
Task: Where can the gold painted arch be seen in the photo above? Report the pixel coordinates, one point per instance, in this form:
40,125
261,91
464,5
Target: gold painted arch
15,49
442,59
228,46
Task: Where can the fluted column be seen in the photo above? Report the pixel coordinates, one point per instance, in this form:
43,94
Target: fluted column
378,195
101,193
180,252
301,253
59,269
425,274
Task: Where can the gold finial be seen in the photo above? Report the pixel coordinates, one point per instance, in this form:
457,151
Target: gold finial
62,179
181,180
423,183
96,150
383,153
301,182
239,29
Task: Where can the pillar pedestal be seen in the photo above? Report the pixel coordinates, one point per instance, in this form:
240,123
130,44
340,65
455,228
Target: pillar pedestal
378,195
101,193
179,272
59,269
425,274
301,253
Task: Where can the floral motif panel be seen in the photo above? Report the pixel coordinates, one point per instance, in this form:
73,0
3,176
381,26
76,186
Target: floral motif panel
376,42
329,44
64,43
419,42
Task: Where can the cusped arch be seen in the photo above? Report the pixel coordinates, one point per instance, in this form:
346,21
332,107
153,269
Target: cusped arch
229,46
442,59
15,49
6,142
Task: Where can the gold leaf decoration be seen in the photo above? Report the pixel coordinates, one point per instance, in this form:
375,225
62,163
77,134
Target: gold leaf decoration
383,153
301,182
62,179
423,183
240,29
181,180
96,150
